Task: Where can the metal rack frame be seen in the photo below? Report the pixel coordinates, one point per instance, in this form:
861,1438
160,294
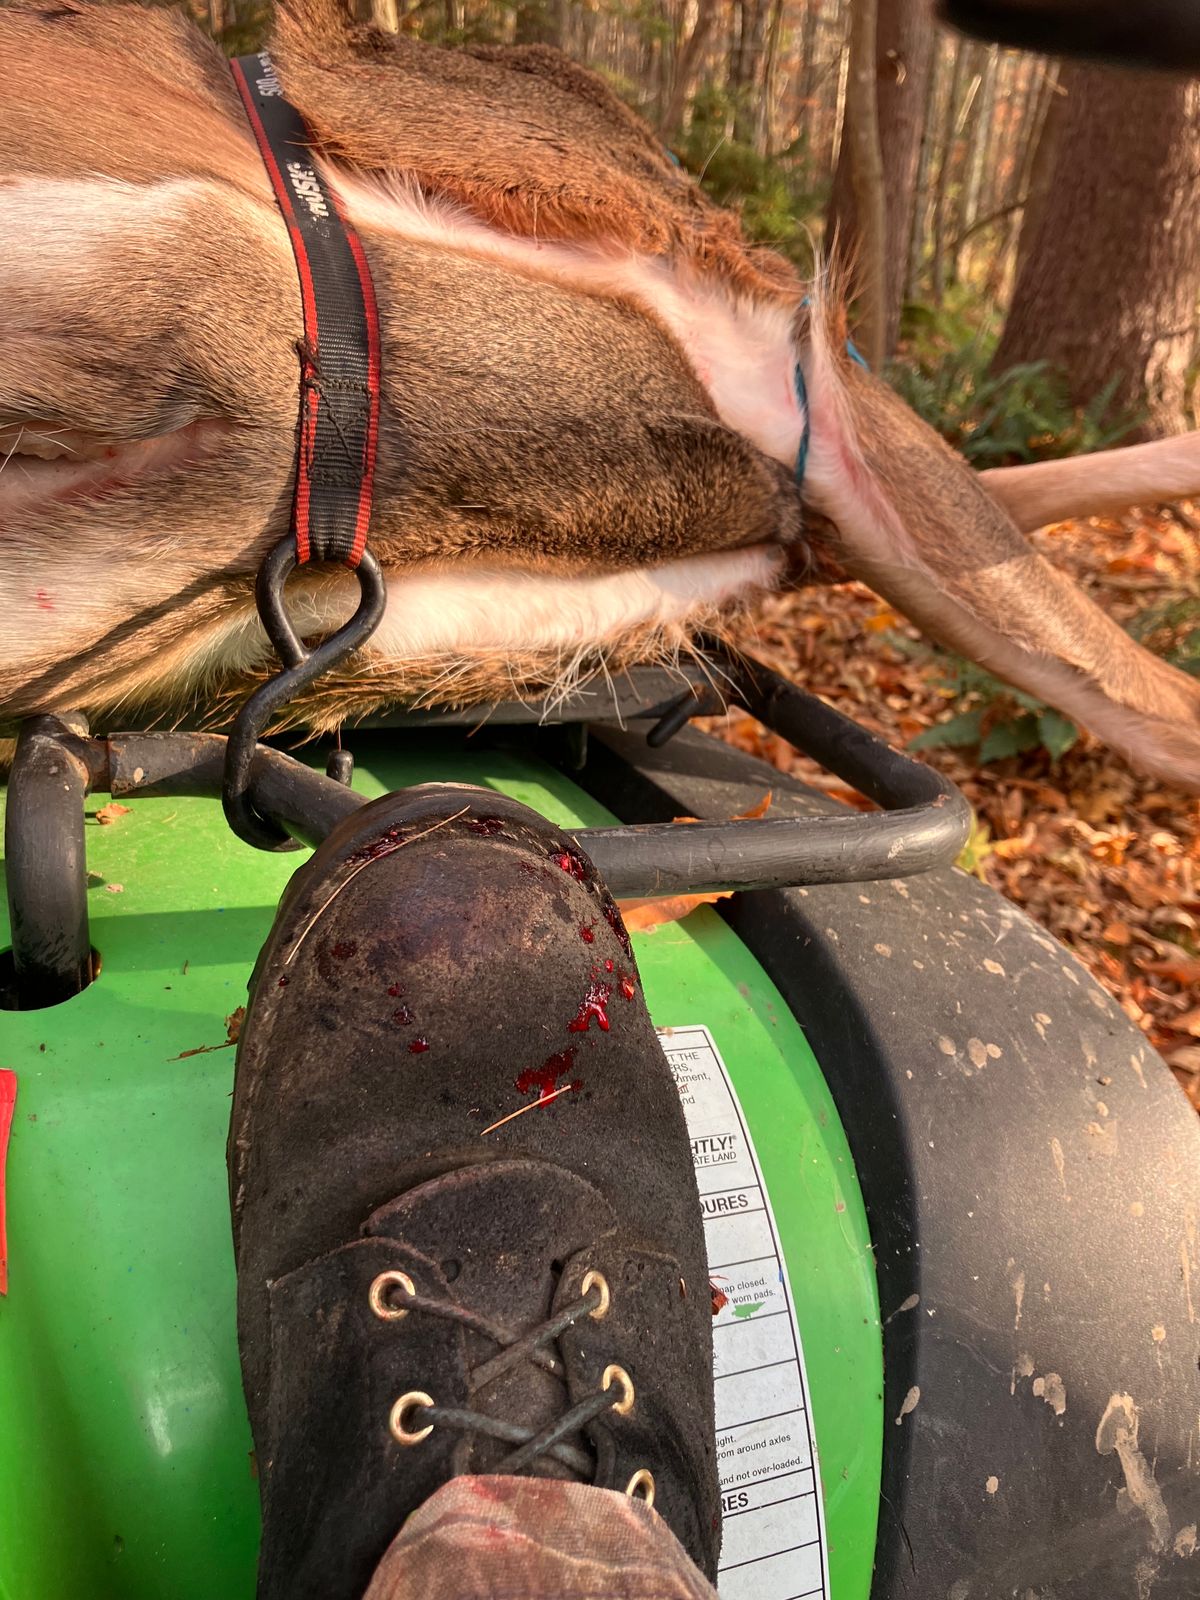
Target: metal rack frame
923,822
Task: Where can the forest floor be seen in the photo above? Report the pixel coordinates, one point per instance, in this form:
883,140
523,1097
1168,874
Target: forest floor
1106,860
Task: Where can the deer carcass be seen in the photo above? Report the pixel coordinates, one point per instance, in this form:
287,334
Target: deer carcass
590,416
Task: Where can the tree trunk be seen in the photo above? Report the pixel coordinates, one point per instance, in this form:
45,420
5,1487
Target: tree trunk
860,141
687,64
977,144
918,236
807,77
942,191
983,136
768,100
1040,171
538,22
903,68
1109,285
838,123
746,69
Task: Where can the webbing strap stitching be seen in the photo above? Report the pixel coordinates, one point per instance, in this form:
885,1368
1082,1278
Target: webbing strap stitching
340,351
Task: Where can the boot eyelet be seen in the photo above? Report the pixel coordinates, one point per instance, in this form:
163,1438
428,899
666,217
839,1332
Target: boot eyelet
406,1402
597,1280
641,1487
380,1295
614,1374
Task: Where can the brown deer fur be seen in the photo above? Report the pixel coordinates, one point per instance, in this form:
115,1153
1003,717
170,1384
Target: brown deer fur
588,423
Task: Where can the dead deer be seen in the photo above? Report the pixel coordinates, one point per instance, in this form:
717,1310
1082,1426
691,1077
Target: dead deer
590,420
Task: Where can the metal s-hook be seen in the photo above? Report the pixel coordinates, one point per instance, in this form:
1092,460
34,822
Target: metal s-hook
301,667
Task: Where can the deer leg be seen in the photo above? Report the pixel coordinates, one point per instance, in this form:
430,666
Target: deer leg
915,523
1091,485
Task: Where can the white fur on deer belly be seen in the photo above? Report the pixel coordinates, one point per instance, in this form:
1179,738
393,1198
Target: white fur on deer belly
742,350
465,614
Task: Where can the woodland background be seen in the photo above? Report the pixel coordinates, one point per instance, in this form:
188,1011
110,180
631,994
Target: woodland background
1024,244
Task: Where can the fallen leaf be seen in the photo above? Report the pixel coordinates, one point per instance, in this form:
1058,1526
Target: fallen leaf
1190,1084
1010,849
233,1030
1183,969
754,813
882,622
1117,933
759,810
849,797
115,888
641,915
109,814
1137,861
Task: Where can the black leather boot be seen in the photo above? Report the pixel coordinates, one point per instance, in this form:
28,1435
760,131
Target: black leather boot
467,1229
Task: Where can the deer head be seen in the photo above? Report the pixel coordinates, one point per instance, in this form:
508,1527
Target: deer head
590,419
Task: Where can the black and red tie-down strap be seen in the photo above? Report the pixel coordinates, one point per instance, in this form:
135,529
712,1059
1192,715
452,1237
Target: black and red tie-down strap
339,356
338,433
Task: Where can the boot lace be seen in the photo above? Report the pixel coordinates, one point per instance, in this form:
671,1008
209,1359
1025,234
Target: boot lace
393,1295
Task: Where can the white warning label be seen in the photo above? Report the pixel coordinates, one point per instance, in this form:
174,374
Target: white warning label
773,1545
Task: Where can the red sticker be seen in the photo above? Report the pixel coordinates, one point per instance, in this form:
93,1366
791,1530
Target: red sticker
8,1099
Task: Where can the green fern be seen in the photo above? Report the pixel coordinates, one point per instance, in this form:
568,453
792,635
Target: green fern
1007,418
773,193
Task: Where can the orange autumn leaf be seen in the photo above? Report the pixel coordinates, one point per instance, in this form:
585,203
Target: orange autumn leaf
882,621
754,813
849,797
108,814
1181,969
1137,860
1117,933
640,915
1009,849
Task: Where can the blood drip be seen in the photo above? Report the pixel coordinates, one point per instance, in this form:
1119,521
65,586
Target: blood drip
545,1078
586,934
574,866
403,1016
419,1045
593,1004
487,826
390,840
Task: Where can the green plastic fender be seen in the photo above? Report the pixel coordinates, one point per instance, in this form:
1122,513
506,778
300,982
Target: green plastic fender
126,1470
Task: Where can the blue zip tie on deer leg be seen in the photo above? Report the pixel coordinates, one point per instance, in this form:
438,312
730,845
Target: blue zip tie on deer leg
801,389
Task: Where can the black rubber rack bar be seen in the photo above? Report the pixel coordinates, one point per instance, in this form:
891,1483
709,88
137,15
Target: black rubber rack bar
923,820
